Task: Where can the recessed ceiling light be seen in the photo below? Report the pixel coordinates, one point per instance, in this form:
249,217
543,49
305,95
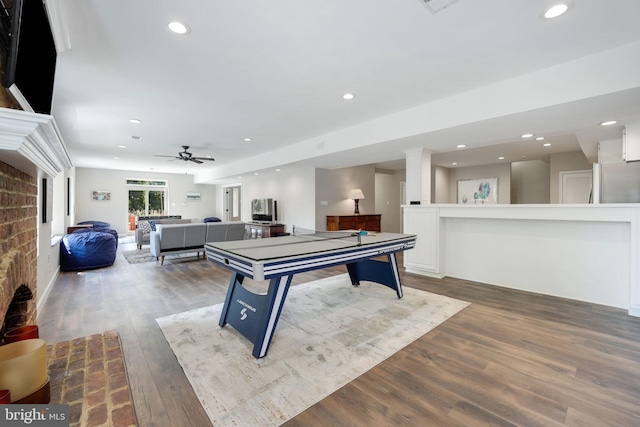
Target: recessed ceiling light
454,163
608,123
116,158
540,138
527,135
256,174
278,170
247,139
546,144
461,145
122,146
137,121
501,158
555,11
178,27
348,96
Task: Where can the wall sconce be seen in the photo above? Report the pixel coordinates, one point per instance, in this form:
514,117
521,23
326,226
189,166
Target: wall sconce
356,195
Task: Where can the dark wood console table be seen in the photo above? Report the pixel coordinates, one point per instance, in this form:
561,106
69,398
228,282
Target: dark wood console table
256,230
353,222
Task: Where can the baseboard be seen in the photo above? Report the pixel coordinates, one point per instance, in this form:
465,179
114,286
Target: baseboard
43,298
634,311
423,272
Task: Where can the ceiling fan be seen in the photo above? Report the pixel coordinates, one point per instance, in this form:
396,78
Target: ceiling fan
187,156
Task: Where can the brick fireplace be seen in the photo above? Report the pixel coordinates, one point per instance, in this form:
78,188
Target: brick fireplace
18,256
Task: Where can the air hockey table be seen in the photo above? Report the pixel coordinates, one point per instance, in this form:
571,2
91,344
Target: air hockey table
277,259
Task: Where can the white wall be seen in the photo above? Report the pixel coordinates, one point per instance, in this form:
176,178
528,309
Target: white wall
561,162
115,211
530,182
293,189
500,171
333,187
440,183
388,198
48,262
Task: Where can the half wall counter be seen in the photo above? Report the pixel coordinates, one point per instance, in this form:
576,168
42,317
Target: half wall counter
588,253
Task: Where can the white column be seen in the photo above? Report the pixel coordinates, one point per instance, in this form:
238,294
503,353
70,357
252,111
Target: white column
418,164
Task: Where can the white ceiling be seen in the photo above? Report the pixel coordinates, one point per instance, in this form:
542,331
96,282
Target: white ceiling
275,72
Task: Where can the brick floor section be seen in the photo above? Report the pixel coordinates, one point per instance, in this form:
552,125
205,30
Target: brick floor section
89,375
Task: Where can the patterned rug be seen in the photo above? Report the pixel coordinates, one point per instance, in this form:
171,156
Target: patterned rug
329,333
138,256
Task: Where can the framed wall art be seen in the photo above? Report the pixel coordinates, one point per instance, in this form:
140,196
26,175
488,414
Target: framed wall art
100,195
482,191
193,196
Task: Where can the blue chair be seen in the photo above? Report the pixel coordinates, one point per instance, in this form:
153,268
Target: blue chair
87,251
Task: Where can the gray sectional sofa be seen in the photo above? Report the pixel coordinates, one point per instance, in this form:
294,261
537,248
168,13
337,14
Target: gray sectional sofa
144,229
181,238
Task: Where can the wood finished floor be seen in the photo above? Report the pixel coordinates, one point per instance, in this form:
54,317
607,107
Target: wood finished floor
510,359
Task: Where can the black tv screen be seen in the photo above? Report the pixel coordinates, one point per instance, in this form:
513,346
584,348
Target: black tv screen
31,60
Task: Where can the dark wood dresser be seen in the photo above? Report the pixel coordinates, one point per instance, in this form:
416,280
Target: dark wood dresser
353,222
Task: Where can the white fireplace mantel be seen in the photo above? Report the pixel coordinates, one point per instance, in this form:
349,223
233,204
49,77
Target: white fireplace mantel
33,138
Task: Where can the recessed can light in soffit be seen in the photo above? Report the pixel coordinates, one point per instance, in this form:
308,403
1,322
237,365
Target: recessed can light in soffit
461,145
608,123
540,138
348,96
178,27
527,135
136,121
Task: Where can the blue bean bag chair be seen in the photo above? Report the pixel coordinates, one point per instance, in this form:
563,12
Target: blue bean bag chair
99,229
86,251
96,224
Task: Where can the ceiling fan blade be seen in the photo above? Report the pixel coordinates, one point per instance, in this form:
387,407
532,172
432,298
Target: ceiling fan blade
194,160
204,158
160,155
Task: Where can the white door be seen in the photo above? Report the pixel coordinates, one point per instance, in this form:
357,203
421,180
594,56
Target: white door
232,203
575,186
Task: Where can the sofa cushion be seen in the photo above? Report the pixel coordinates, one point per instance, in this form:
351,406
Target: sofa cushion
216,232
171,236
235,231
194,235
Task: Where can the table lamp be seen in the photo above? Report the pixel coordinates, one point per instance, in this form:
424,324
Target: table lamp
356,195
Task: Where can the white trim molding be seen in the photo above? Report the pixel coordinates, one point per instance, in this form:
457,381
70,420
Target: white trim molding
36,138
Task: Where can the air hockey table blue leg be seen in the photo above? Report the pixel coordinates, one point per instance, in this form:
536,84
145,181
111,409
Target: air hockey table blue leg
385,273
255,315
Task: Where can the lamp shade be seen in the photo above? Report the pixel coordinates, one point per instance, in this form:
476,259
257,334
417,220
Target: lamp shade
356,194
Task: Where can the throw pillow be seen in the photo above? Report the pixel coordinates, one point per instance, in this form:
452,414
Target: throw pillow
144,226
212,219
153,225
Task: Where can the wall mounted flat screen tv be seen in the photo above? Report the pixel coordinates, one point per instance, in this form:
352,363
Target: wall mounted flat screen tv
28,53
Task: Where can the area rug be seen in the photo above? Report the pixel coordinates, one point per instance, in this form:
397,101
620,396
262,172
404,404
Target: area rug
138,256
329,333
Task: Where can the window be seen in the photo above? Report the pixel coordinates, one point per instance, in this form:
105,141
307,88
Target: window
146,200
